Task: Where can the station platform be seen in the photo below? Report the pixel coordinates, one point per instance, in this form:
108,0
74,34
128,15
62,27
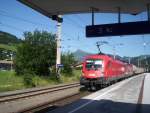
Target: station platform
128,96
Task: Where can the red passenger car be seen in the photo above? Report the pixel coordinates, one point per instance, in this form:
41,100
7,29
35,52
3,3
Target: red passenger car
103,69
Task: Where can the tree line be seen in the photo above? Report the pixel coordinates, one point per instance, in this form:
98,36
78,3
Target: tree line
37,55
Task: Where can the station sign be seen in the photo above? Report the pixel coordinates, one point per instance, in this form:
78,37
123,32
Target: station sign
118,29
60,65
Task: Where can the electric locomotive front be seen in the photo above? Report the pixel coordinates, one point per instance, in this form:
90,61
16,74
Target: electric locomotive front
93,71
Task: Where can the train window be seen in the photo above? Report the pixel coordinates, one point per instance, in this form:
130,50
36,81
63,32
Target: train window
94,64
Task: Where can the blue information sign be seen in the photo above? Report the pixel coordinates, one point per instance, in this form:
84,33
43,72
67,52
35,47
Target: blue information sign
60,65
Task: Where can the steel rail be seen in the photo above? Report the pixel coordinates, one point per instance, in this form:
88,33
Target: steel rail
44,105
20,95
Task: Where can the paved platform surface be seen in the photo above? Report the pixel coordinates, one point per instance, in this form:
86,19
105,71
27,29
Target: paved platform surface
118,98
146,95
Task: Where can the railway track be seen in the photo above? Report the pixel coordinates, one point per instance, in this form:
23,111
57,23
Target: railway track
14,96
27,101
44,108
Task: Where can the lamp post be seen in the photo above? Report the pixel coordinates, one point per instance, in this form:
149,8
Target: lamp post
11,58
58,52
146,62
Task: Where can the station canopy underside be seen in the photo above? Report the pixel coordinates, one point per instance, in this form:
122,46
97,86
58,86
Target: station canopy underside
63,7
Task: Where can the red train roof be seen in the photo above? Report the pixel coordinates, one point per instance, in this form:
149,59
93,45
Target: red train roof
104,56
98,56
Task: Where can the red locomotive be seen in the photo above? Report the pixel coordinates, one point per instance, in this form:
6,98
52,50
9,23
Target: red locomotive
102,69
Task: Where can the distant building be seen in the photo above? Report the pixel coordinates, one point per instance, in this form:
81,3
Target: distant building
6,65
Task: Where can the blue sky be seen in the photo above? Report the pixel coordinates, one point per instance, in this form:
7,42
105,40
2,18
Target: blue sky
16,18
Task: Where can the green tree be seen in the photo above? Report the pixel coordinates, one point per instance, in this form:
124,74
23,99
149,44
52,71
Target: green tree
68,60
36,53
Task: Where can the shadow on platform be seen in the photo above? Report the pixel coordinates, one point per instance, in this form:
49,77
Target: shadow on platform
102,106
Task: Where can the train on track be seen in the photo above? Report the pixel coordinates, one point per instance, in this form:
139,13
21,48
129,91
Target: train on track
101,69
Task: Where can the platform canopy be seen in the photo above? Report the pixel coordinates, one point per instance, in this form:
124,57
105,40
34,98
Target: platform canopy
62,7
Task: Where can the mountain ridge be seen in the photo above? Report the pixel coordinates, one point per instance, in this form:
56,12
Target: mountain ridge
7,38
80,54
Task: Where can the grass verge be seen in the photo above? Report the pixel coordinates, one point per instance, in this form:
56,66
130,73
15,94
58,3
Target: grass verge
10,81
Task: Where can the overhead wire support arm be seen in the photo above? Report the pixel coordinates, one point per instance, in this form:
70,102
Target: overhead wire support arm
148,11
119,15
93,16
93,10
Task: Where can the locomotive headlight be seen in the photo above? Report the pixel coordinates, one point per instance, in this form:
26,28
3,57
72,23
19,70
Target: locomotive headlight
83,74
91,74
122,69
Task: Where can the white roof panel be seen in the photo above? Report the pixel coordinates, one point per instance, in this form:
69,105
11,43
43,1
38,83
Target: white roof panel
55,7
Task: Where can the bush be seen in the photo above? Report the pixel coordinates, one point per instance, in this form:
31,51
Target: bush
36,54
28,80
68,60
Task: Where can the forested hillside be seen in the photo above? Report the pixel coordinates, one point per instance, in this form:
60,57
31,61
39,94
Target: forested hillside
7,38
8,43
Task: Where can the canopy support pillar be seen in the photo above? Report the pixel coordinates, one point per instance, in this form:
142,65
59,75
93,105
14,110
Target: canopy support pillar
58,39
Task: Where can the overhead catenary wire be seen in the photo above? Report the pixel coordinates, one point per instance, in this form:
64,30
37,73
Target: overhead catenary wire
34,23
12,27
21,30
74,23
68,37
3,13
81,19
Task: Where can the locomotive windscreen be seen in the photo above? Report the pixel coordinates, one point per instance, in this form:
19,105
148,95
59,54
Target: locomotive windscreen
94,64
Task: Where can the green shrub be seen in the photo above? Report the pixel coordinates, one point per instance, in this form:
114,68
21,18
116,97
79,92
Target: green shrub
28,80
36,53
68,60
